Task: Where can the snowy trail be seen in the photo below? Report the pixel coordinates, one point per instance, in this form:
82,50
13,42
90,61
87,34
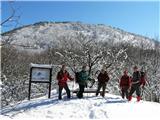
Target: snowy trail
110,107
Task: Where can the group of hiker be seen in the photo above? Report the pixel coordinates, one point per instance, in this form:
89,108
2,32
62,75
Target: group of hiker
128,84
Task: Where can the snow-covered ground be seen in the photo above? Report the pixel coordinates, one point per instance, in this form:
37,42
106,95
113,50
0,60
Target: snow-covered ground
90,107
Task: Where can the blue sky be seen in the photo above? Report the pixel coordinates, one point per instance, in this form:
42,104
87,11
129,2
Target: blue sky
136,17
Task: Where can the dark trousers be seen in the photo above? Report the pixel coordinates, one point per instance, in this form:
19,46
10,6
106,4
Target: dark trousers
103,86
135,87
67,91
81,91
125,92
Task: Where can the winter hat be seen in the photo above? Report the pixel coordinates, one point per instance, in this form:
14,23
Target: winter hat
135,67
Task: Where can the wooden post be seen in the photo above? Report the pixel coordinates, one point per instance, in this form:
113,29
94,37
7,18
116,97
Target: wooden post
50,81
29,90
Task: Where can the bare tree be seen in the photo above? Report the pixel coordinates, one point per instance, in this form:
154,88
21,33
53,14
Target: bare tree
12,17
12,20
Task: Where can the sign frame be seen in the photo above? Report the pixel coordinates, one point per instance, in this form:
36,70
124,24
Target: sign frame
40,67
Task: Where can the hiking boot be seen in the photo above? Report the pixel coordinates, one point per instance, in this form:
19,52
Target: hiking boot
138,98
129,98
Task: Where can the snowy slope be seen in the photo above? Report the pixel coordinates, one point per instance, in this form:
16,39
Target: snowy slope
42,34
111,107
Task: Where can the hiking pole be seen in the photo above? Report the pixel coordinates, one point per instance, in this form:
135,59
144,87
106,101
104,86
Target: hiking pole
72,88
142,92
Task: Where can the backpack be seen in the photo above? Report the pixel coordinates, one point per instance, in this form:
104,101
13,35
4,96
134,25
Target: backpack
142,74
143,80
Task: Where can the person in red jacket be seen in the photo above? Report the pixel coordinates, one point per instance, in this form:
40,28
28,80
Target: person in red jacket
125,84
62,78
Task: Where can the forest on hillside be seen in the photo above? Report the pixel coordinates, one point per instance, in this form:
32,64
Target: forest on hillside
15,65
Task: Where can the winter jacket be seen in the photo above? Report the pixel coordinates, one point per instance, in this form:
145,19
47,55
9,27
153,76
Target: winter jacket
125,81
103,77
62,78
136,77
83,78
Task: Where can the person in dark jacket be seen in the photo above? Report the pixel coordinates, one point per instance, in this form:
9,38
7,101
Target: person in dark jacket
135,84
62,78
103,78
125,84
83,77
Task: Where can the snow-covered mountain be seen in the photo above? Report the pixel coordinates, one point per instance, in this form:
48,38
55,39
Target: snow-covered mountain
111,108
44,34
